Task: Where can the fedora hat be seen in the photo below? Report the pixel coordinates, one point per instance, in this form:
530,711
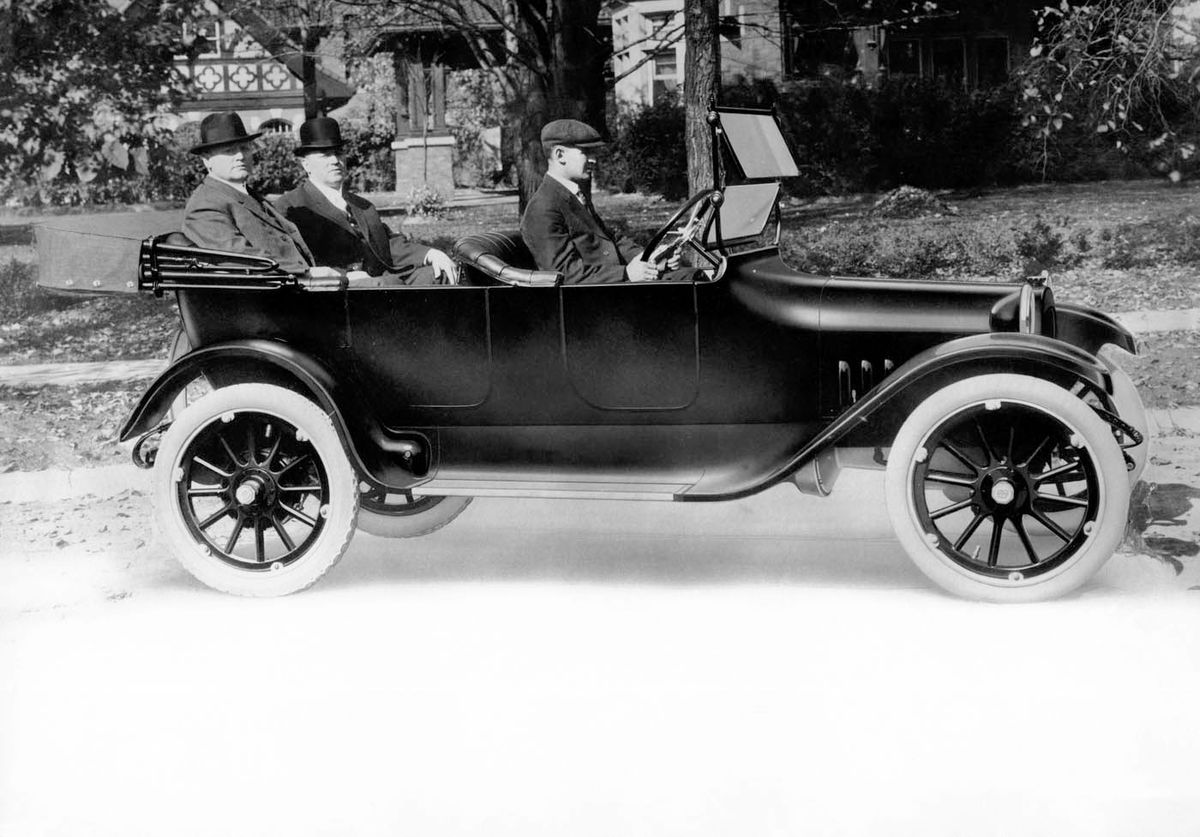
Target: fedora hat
219,129
320,133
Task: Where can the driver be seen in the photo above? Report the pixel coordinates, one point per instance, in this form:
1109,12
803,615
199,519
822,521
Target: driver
560,225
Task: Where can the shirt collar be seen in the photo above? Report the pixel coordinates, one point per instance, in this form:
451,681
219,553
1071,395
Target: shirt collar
334,196
570,185
237,187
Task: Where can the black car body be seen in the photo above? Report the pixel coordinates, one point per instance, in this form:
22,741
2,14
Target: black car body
748,375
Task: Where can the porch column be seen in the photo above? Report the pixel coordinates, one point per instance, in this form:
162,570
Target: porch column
424,147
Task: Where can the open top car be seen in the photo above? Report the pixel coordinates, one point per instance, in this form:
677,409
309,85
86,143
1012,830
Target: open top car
1008,443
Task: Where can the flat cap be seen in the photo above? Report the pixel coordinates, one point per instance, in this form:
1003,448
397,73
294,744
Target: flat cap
571,132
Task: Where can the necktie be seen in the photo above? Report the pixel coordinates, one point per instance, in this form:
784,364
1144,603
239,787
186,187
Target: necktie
591,209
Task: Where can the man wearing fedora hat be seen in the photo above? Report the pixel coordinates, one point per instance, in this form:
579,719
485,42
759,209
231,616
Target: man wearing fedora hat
223,214
344,229
560,225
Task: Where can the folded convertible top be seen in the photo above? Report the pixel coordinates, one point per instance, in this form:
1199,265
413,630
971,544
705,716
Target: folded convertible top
97,253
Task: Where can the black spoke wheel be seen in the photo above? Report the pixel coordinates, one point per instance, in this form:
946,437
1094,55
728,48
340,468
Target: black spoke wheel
990,482
254,492
401,514
1007,488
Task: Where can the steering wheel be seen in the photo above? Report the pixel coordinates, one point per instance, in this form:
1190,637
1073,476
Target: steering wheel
698,210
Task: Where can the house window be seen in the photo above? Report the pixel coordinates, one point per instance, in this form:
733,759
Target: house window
666,74
276,126
949,62
210,32
904,57
992,61
659,23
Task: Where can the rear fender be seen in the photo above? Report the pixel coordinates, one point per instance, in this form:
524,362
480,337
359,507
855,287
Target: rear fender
258,361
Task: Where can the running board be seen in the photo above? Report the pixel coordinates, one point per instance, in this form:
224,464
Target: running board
549,490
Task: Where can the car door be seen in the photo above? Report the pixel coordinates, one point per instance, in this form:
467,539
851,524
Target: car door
631,346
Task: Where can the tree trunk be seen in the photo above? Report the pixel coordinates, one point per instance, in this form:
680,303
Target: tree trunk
308,75
528,116
701,85
576,63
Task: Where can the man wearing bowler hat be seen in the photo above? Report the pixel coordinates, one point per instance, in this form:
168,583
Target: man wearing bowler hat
560,226
222,214
344,229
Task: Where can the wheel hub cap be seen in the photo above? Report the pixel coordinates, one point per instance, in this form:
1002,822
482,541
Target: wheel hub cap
1003,492
247,492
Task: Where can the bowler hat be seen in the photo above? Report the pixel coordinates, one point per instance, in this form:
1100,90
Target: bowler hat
571,132
223,128
321,133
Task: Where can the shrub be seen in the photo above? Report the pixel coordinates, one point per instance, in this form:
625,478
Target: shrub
899,249
424,201
1039,243
276,169
1161,241
368,149
472,107
649,153
907,132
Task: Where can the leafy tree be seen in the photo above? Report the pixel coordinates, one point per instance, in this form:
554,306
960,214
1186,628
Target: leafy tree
1124,69
546,57
85,94
702,74
291,28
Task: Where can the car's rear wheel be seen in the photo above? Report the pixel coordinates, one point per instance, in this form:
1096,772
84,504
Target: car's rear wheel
1007,488
253,491
402,515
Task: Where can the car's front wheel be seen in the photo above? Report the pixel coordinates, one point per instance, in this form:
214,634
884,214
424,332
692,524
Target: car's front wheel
1007,488
253,491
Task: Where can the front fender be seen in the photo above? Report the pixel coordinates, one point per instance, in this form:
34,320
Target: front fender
874,418
1090,329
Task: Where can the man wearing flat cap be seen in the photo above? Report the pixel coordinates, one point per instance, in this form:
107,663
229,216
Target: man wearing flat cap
343,229
560,226
223,214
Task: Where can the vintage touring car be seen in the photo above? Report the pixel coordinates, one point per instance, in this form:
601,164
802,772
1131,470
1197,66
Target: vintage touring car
1009,442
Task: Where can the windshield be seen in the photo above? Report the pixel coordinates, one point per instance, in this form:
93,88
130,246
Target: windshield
757,144
744,212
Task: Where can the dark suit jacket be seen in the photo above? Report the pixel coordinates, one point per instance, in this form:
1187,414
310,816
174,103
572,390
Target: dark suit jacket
219,217
562,235
334,240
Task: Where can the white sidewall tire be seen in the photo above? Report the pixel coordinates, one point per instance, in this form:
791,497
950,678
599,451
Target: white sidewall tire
1131,410
412,525
1113,486
338,527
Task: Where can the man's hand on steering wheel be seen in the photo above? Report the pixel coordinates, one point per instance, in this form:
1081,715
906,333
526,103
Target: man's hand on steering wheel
642,271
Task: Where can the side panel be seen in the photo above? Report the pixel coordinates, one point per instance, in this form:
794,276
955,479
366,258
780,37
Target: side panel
419,347
313,323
